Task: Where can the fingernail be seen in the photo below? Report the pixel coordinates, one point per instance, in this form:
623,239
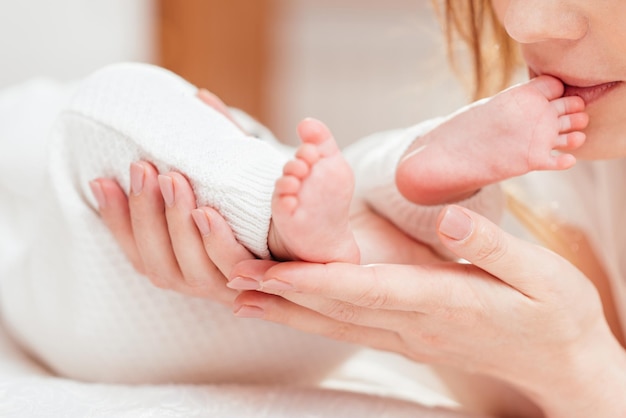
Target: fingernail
98,193
136,178
456,224
201,220
274,284
243,283
249,311
204,92
166,184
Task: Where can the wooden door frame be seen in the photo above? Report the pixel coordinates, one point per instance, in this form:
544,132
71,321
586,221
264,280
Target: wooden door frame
221,45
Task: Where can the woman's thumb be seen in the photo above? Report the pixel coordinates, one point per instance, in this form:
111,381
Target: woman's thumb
484,244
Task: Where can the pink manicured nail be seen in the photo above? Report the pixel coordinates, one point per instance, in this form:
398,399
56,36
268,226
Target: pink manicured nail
166,184
243,283
204,93
201,220
456,224
98,193
137,173
248,311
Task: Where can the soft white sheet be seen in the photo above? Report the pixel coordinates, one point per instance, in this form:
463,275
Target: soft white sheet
28,390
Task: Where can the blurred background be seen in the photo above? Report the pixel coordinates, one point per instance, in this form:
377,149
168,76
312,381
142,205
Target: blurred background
359,65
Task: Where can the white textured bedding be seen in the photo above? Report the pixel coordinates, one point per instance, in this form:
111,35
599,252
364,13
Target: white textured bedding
28,390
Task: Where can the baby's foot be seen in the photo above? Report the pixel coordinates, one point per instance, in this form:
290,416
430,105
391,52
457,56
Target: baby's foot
311,202
510,134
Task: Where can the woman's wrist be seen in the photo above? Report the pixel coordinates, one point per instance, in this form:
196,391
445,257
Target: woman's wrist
591,382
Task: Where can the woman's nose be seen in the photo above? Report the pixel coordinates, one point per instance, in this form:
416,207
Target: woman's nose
530,21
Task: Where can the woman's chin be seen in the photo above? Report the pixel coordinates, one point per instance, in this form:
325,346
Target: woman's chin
602,143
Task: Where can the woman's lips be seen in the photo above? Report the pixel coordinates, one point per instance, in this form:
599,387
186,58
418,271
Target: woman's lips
592,93
588,91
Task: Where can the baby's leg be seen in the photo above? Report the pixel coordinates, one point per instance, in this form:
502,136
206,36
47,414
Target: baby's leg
311,202
514,132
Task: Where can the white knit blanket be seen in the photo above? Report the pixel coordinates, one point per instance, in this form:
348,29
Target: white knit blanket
73,303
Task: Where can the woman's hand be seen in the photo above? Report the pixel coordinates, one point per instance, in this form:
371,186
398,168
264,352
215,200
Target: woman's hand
154,226
520,313
157,226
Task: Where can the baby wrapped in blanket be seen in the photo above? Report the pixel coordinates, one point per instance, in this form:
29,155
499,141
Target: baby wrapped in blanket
74,301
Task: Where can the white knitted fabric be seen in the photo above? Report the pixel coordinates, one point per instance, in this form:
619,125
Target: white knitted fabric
72,299
131,111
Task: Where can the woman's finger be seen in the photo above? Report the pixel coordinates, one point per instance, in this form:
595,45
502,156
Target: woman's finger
200,277
216,103
484,244
186,243
219,241
357,315
150,228
279,310
413,288
113,207
333,308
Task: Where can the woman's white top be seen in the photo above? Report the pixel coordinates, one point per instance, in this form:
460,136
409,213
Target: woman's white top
590,196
